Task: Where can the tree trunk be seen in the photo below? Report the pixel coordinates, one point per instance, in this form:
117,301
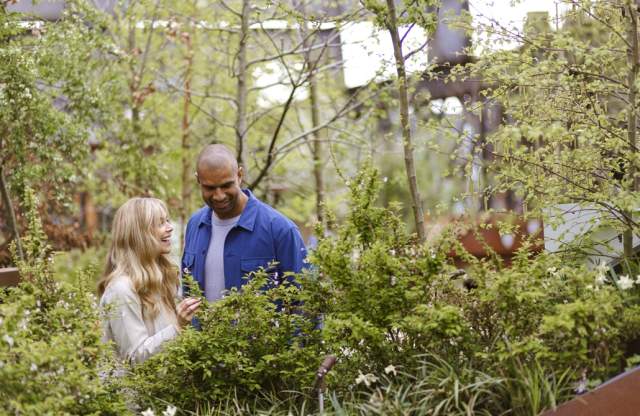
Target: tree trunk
10,214
186,145
632,58
392,26
242,90
317,148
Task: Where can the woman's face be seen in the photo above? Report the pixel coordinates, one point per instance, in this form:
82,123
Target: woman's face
163,232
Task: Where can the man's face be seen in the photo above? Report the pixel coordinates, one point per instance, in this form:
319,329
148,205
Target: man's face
221,190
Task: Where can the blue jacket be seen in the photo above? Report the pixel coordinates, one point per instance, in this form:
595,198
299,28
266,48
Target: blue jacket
262,236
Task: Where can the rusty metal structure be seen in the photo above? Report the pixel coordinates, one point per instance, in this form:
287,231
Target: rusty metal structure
617,397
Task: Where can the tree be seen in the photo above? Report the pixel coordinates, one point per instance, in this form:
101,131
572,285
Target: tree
48,101
414,14
571,105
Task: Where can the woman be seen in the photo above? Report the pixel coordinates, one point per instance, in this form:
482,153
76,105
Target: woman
140,283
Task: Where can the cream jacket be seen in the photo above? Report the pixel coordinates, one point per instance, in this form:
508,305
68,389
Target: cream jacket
135,338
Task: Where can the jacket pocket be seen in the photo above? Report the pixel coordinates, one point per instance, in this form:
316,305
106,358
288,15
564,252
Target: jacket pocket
253,264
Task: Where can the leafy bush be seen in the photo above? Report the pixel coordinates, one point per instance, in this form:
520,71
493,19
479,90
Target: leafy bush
255,340
409,338
51,356
517,342
388,301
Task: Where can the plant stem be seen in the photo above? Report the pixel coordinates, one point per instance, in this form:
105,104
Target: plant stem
242,90
392,26
11,214
186,157
632,58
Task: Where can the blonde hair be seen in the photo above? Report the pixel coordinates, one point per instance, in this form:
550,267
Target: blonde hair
135,253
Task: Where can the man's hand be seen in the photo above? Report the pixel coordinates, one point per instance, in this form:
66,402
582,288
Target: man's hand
185,310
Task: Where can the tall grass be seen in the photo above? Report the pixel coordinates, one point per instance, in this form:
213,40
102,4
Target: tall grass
435,388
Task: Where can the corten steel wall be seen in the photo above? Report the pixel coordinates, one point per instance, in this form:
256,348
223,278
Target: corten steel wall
9,277
617,397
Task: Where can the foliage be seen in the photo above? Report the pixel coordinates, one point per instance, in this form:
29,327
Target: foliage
385,299
48,98
569,104
519,341
52,360
65,263
253,340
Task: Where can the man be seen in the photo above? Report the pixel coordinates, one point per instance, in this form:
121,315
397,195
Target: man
235,233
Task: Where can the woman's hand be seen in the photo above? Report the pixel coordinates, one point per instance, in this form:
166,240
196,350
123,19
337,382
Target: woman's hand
185,310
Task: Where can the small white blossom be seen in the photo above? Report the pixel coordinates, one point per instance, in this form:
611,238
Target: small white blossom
601,279
367,379
8,339
602,268
34,367
625,282
385,179
390,369
346,351
148,412
553,271
171,411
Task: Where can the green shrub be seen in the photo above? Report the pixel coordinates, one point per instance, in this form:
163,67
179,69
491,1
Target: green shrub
252,341
387,301
518,342
51,358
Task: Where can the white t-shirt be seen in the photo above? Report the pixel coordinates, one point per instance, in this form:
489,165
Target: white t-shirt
214,262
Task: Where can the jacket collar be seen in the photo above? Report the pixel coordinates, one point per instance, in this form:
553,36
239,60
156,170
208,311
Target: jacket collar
247,217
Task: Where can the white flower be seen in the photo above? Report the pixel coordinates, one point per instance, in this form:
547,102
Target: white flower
346,351
148,412
625,283
367,379
390,369
171,411
637,281
601,279
34,367
602,268
553,271
8,339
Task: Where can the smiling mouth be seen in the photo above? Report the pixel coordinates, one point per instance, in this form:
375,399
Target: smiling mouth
166,239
